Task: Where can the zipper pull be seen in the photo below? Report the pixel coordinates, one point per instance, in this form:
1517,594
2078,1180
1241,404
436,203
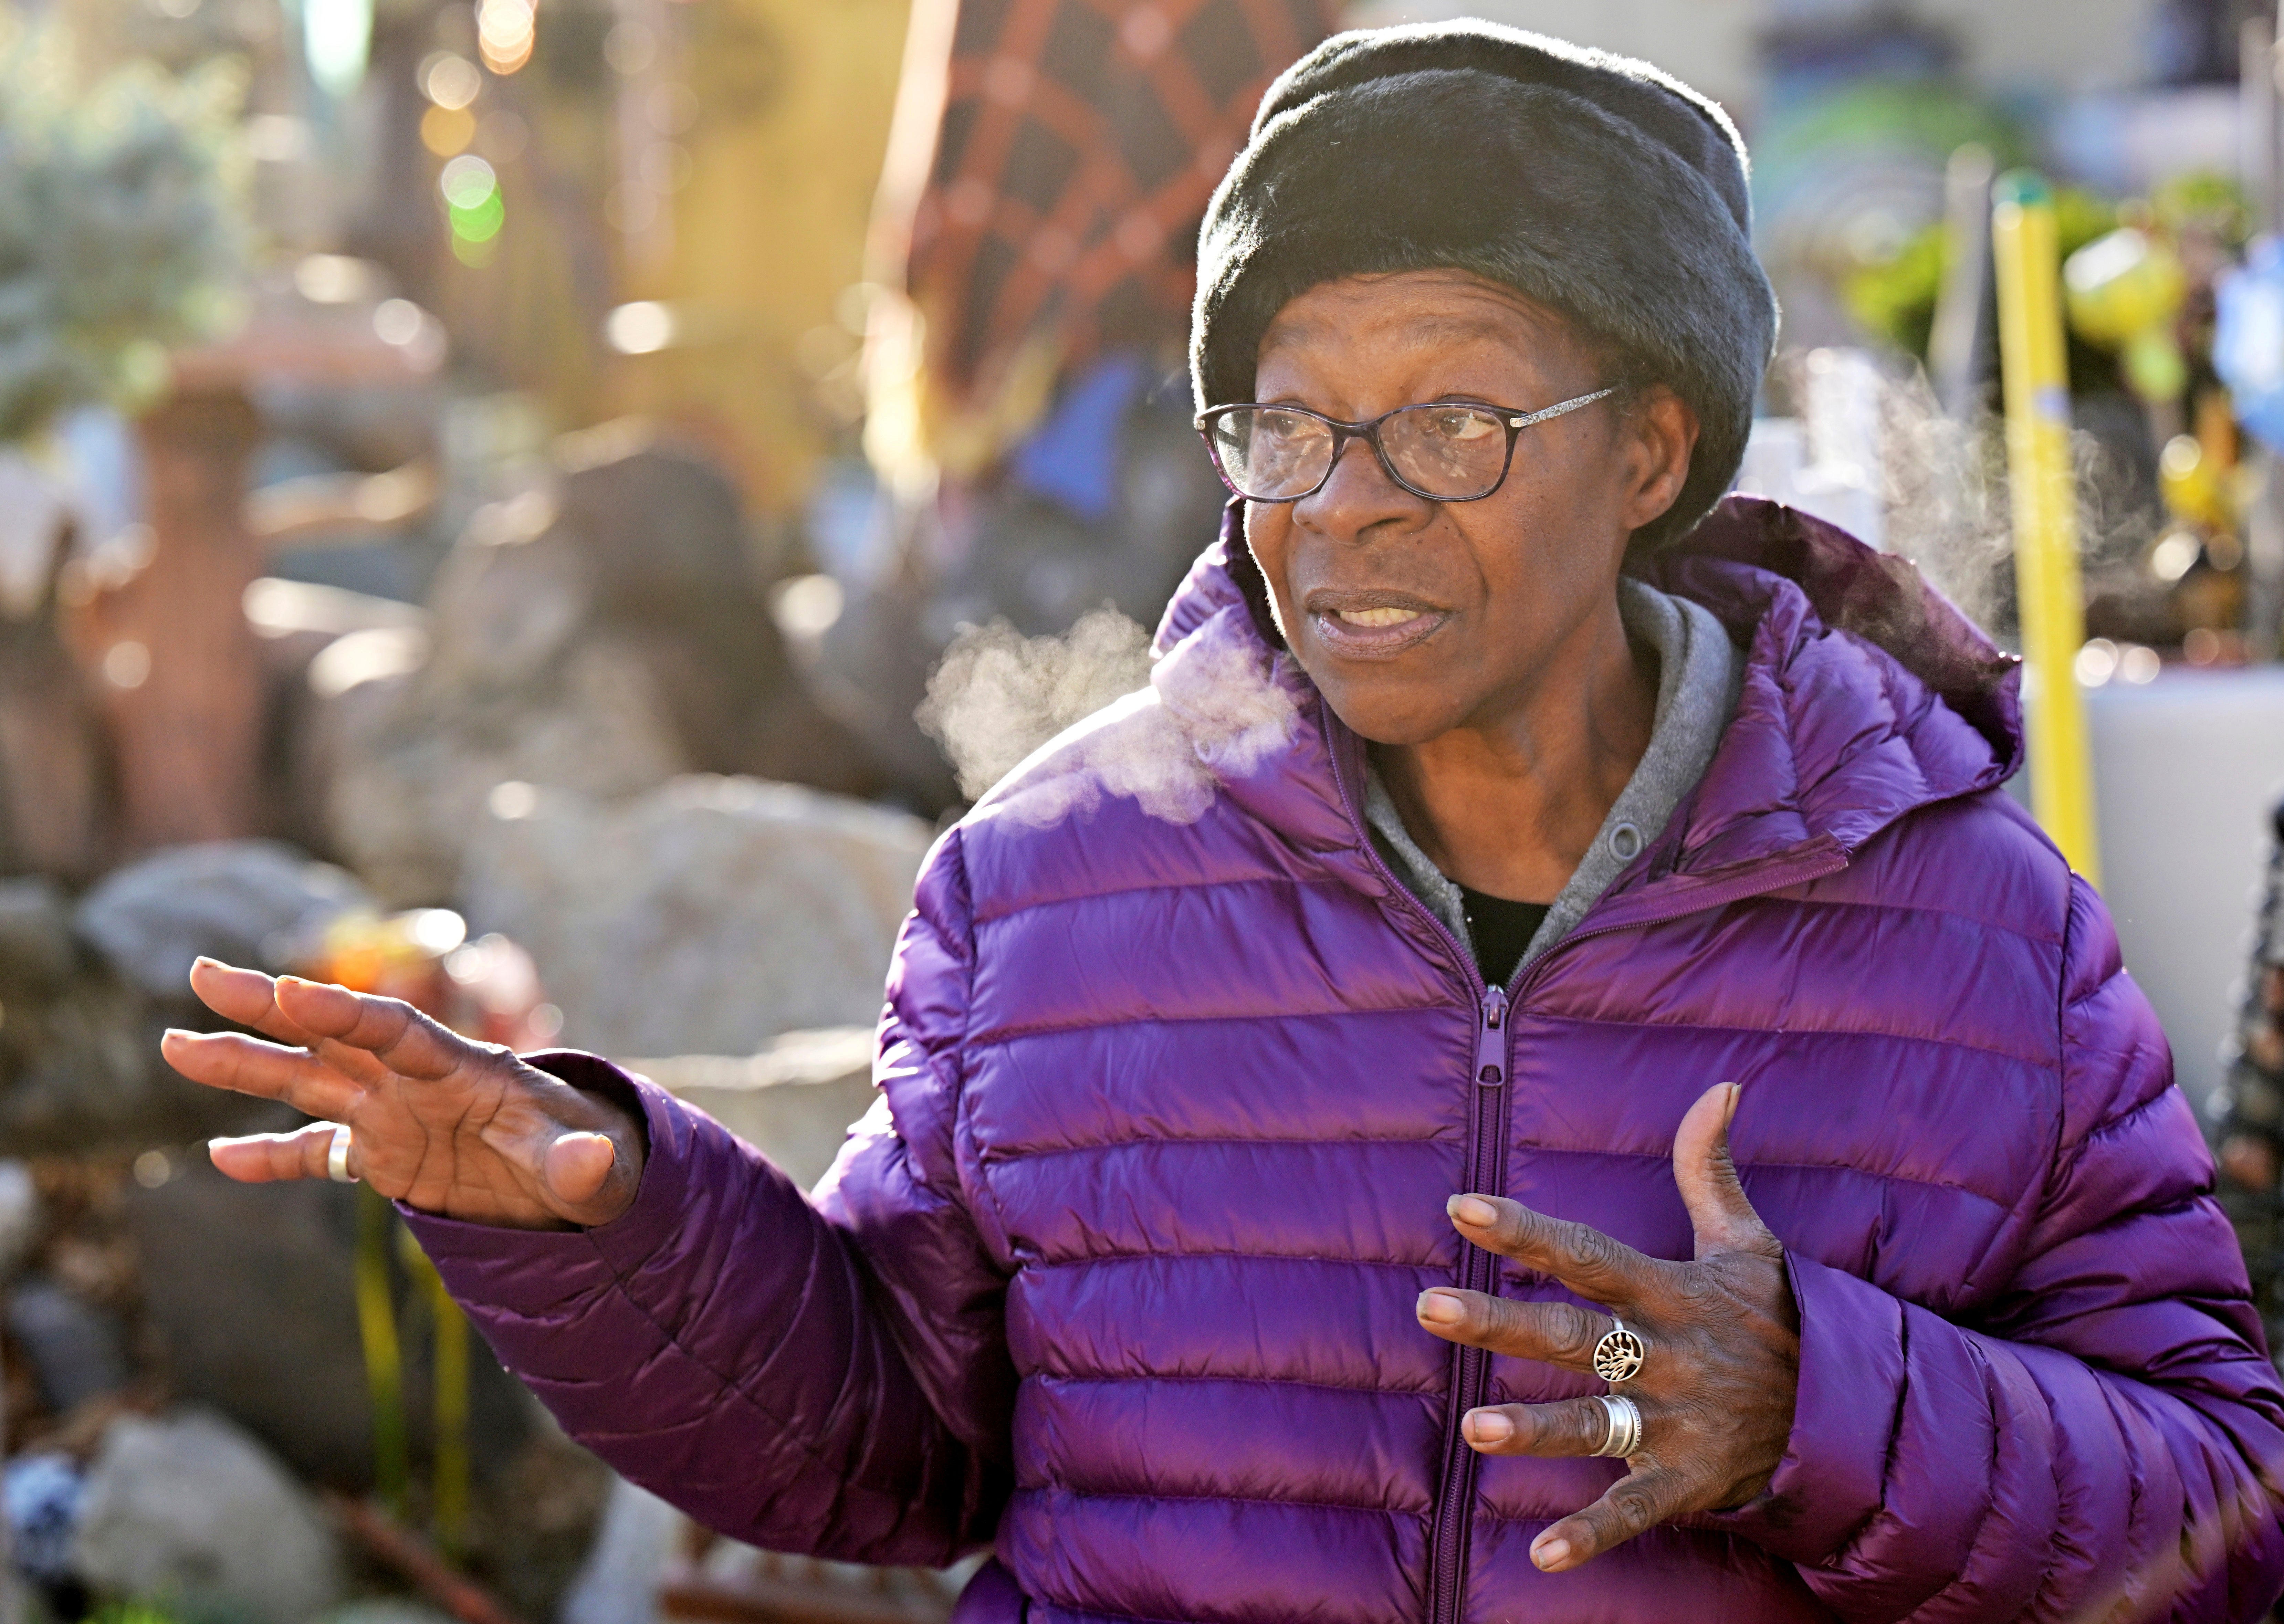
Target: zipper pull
1491,1048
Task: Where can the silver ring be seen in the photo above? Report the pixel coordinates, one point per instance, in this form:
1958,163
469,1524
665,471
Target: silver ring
337,1156
1625,1436
1618,1356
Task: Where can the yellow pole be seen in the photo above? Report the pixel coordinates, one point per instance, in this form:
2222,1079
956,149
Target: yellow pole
2045,498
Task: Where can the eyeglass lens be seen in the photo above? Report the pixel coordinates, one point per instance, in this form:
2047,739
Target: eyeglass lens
1271,454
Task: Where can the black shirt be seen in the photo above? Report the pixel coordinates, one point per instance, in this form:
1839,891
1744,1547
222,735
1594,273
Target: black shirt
1500,931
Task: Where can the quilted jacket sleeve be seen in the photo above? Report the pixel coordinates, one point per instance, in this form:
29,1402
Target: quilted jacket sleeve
827,1377
2107,1443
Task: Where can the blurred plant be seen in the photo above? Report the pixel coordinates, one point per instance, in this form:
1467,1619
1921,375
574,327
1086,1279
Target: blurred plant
2202,201
118,228
1895,300
134,1613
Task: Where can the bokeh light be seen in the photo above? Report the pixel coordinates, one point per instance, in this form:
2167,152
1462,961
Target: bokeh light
473,202
450,80
446,131
505,30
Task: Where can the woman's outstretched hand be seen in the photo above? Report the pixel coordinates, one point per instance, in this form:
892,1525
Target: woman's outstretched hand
1722,1336
449,1126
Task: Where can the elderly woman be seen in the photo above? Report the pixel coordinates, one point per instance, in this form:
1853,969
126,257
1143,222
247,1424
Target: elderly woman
1533,1074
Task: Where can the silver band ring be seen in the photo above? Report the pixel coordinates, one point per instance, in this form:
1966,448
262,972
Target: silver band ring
1625,1436
337,1156
1618,1356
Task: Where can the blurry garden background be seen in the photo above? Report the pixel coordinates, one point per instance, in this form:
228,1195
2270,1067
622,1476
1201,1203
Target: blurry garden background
545,507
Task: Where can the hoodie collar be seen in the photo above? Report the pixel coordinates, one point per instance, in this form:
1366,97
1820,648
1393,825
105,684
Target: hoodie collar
1867,695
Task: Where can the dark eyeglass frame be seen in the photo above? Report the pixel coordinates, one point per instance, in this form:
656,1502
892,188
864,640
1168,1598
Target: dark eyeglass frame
1513,420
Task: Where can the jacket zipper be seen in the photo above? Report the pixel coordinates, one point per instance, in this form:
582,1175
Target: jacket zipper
1478,1269
1478,1272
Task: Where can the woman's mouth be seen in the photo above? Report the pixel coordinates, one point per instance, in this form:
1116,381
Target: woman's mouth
1363,630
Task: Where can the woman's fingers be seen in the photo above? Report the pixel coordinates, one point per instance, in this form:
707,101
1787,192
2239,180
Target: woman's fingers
1643,1498
1583,1258
248,1065
1719,1213
1570,1427
245,996
263,1158
406,1041
1553,1333
249,998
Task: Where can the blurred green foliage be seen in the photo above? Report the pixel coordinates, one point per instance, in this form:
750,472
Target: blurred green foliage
118,228
1896,301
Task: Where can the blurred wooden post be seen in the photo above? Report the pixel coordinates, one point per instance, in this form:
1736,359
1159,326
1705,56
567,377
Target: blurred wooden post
177,662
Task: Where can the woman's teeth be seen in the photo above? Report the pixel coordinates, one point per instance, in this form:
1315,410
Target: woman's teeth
1377,617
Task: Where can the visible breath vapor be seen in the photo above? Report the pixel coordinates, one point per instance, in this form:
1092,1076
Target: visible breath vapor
1944,484
1208,711
998,695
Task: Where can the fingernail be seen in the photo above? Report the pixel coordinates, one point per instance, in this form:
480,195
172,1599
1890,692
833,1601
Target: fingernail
1473,1211
1488,1427
1730,1114
1441,1307
1550,1554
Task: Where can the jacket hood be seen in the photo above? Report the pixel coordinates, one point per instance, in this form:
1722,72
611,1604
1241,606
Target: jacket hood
1868,694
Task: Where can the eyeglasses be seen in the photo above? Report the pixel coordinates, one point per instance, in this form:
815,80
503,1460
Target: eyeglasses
1444,450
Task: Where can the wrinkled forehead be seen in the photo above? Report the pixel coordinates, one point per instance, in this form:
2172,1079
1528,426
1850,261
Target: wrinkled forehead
1409,316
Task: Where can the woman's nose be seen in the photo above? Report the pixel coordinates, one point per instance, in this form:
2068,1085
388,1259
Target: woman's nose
1356,496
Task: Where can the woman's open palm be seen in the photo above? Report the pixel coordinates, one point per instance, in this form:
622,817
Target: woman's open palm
436,1120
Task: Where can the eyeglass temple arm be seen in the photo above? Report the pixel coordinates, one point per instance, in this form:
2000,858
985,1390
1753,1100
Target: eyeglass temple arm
1557,408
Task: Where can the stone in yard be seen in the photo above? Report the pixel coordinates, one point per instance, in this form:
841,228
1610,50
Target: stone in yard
618,1583
243,902
249,1292
40,1498
705,917
188,1506
793,1102
74,1346
71,1054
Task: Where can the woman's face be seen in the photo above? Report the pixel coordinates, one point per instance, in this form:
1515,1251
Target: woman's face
1415,617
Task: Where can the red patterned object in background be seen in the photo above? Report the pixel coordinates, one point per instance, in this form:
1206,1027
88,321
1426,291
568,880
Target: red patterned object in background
1078,143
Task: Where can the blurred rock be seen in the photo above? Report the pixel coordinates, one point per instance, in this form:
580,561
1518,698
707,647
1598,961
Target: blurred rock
239,900
40,1498
600,633
632,1550
249,1292
74,1346
36,933
793,1102
418,756
189,1506
74,1060
20,1216
704,918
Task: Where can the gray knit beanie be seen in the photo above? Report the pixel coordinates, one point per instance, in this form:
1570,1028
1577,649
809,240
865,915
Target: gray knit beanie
1590,183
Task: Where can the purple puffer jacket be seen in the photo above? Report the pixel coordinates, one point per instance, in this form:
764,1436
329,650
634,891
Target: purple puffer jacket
1119,1276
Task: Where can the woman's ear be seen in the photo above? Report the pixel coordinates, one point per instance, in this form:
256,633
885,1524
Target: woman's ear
1660,433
